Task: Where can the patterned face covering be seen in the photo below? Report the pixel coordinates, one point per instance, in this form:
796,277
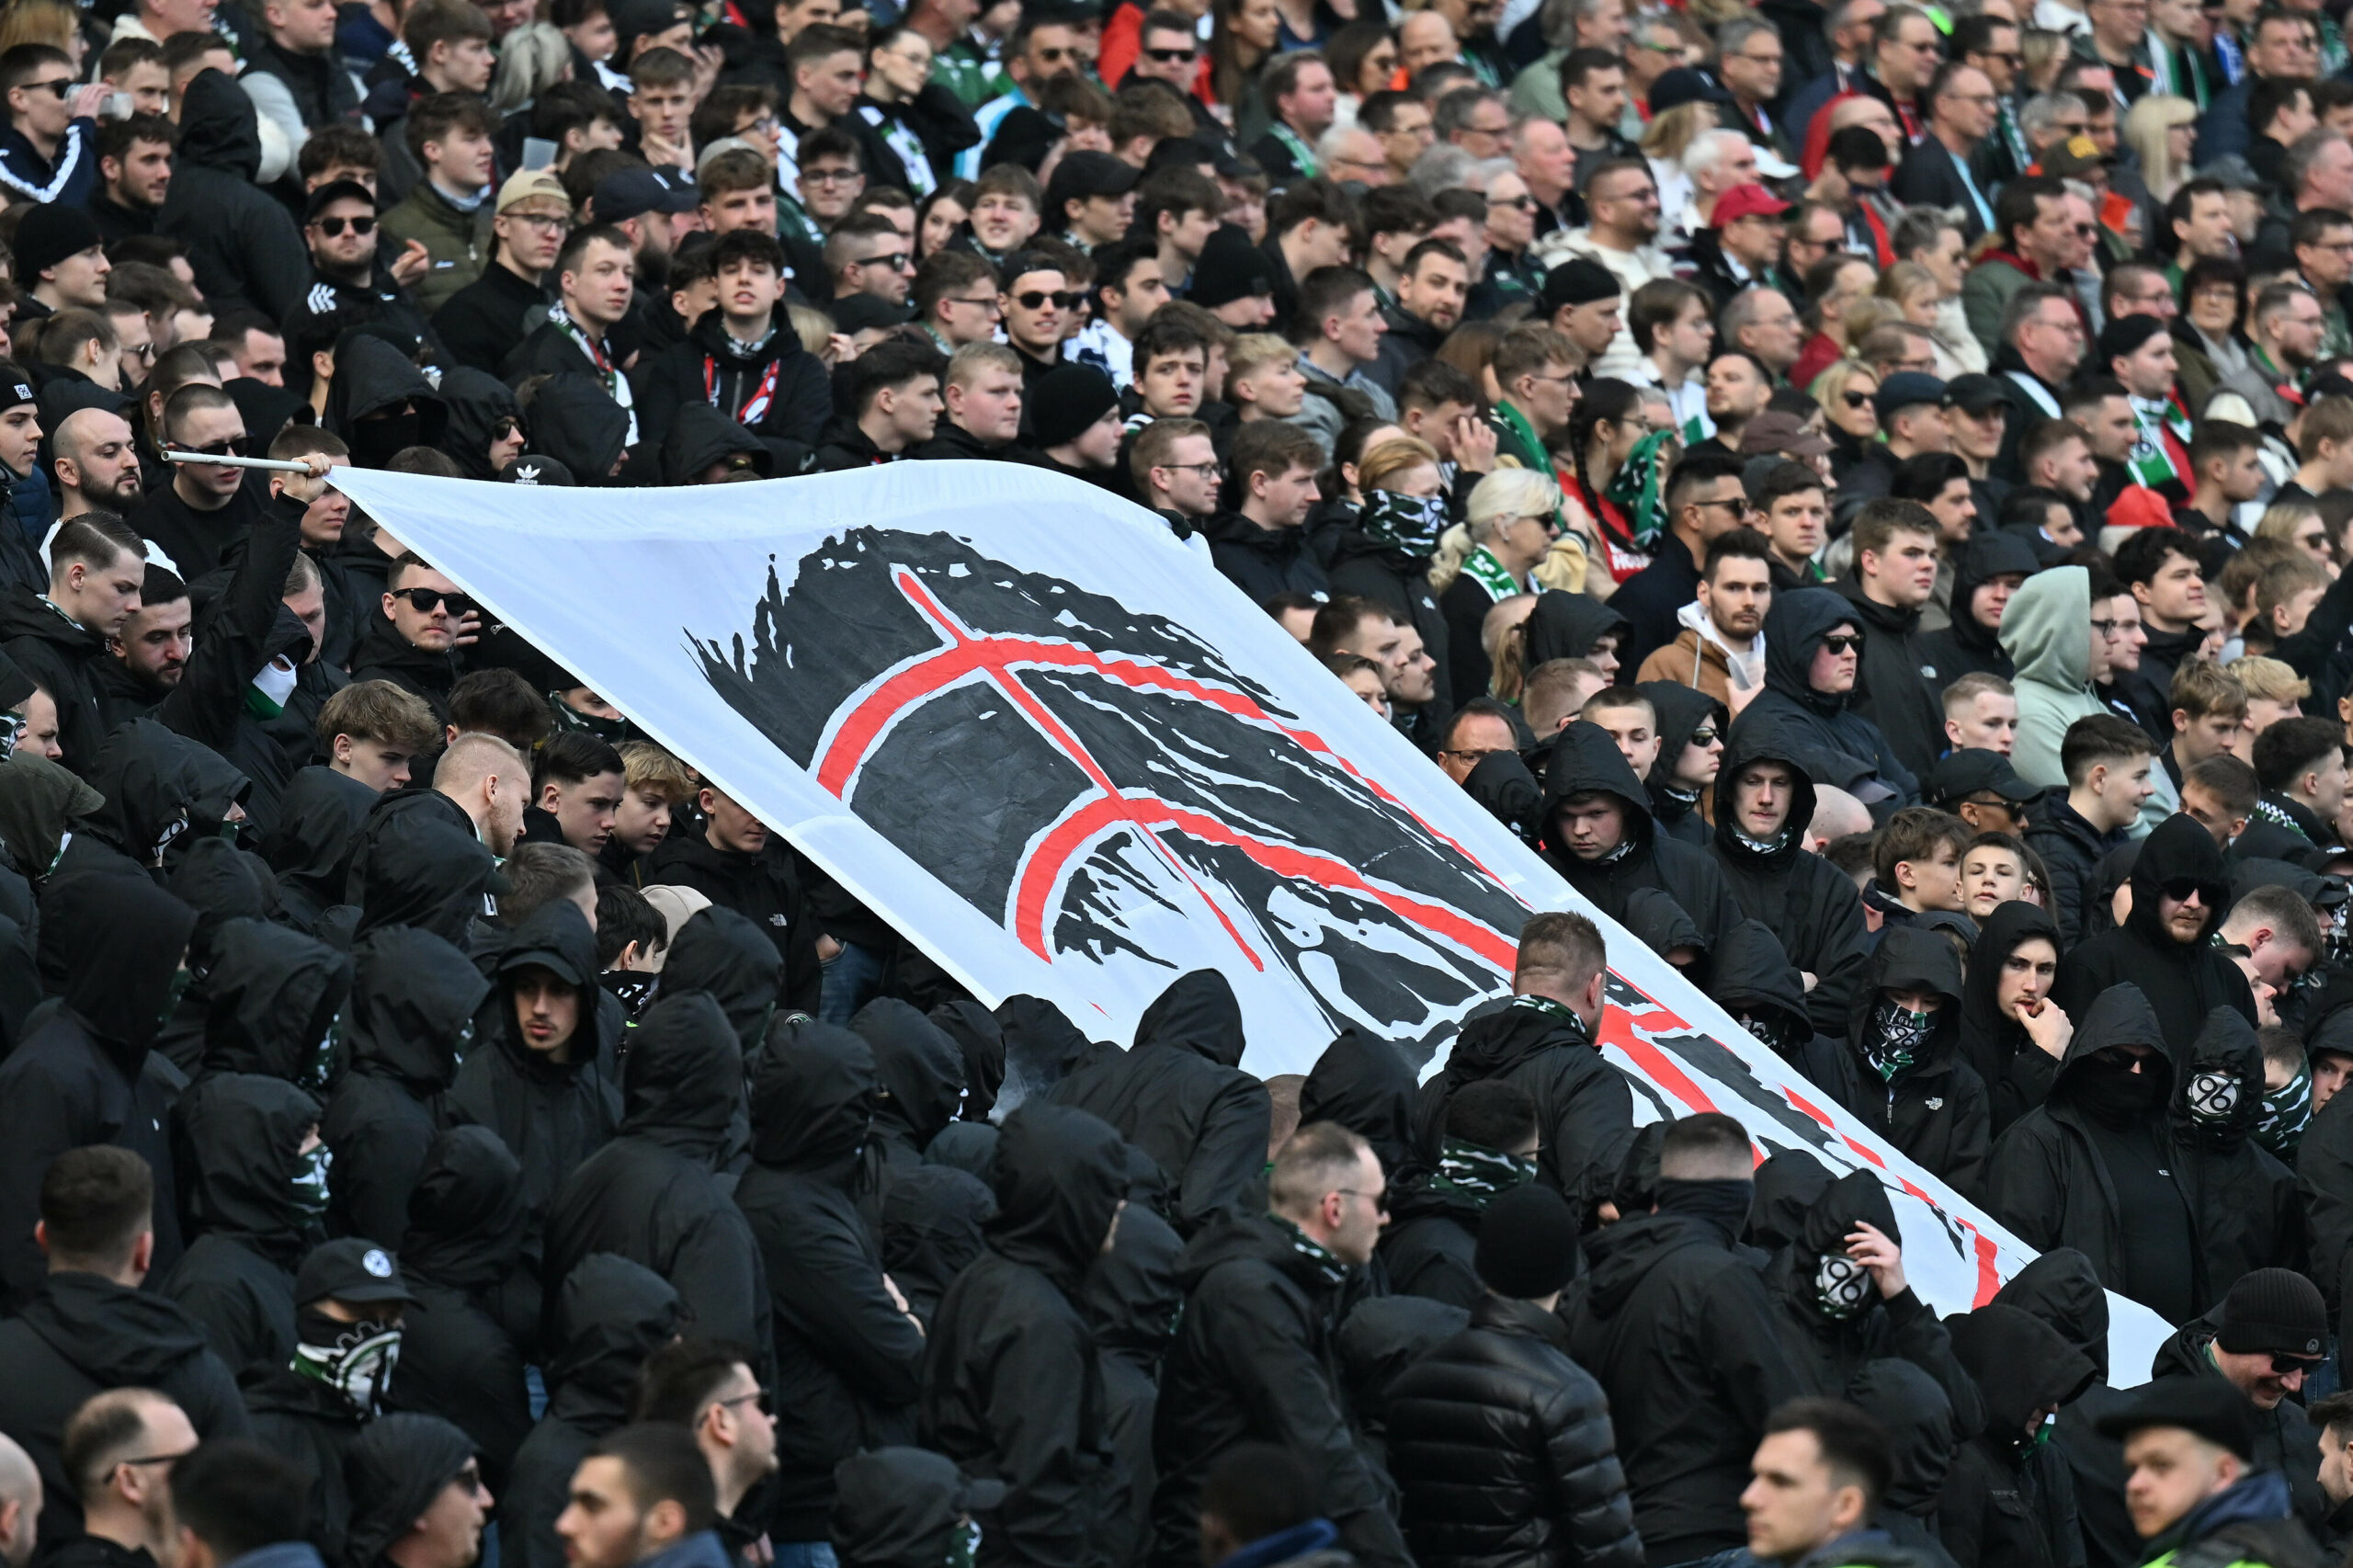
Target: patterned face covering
2212,1097
1640,488
1842,1287
354,1358
1412,523
1772,1028
1895,1037
311,1182
1480,1172
2285,1111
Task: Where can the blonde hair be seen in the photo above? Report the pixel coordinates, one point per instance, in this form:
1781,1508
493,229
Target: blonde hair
815,331
1871,311
2144,133
1251,351
1833,382
1899,281
2041,54
2271,680
532,59
2282,518
1395,456
1667,135
52,22
654,771
1510,492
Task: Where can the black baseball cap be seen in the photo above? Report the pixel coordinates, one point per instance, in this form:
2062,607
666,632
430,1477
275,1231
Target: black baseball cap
2209,1405
632,193
337,190
355,1269
1975,394
1970,770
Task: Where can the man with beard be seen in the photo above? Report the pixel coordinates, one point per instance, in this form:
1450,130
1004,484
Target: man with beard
2179,891
135,173
349,271
2288,326
115,1451
1718,649
150,654
1739,386
644,205
96,464
1432,284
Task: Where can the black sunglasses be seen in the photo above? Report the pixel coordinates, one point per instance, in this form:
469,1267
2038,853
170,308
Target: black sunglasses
62,86
427,600
333,227
235,447
1855,399
1031,299
2182,888
2284,1364
1172,56
1838,644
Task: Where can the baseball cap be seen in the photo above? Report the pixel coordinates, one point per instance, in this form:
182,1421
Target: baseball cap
337,190
1686,84
354,1270
532,185
2212,1407
632,193
1747,202
1907,389
1775,432
2074,155
1973,769
1975,393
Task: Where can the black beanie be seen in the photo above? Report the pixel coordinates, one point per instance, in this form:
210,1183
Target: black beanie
1230,267
2126,334
50,234
1527,1242
2273,1310
1067,399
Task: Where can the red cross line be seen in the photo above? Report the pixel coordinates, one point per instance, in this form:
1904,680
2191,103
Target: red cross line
997,658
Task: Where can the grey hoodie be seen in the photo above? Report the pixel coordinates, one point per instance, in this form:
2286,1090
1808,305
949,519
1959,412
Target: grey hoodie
2047,633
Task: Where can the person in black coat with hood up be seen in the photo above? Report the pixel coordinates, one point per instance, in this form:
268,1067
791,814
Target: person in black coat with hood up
2163,950
846,1356
1985,573
241,243
1012,1386
2061,1290
1501,1445
1820,723
1994,1043
2010,1500
1606,857
255,1198
2245,1200
1807,902
1683,712
1180,1096
1903,1075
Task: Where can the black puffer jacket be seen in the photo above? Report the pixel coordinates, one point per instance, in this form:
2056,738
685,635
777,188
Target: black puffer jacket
1584,1110
2245,1200
463,1243
414,998
610,1315
1807,902
1584,760
2008,1503
2184,981
1676,1326
240,1137
1936,1111
1181,1096
846,1356
1013,1385
1503,1449
1254,1363
243,246
1789,711
652,1193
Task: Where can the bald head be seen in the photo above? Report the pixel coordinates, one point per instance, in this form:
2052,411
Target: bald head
1835,815
96,461
19,1503
84,427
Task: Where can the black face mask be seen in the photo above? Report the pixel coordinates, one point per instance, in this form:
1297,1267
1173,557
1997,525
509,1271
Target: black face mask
1726,1203
373,441
2114,1094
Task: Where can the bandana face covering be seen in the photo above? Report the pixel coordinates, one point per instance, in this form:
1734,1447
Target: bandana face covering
1412,523
2285,1111
1842,1288
2211,1098
355,1359
1774,1030
1479,1173
1639,487
311,1182
1896,1037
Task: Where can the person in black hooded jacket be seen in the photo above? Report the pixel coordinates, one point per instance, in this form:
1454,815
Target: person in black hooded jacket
420,870
537,1081
272,999
2245,1201
83,1074
652,1193
479,406
1013,1386
2091,1167
310,847
1607,857
609,1314
2062,1290
1904,1077
458,1251
1765,803
1573,626
847,1358
398,1474
152,783
702,440
935,1221
577,423
1910,1407
1180,1096
414,998
255,1195
1366,1086
2010,1500
1133,1301
920,1070
1844,1301
1995,1041
1986,572
379,403
902,1508
241,245
1819,721
2162,946
1674,788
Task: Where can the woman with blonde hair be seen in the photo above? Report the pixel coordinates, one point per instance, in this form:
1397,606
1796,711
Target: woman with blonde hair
2042,54
2298,523
2163,129
52,22
532,59
1664,142
1514,523
1844,391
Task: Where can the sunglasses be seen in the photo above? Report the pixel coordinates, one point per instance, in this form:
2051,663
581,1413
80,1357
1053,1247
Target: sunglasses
235,447
1838,644
2182,888
1035,299
1525,203
2283,1364
1855,399
1705,735
333,227
895,261
1172,56
427,600
59,88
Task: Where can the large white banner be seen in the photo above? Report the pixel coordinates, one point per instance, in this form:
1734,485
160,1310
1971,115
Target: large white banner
1034,732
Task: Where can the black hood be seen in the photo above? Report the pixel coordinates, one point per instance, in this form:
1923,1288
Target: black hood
156,786
1989,1038
2062,1290
1381,1337
1856,1197
372,378
897,1508
2178,849
2020,1363
935,1221
1654,919
1788,1185
222,884
1909,959
611,1314
310,847
1501,785
40,803
1566,626
578,424
684,1078
1922,1433
1584,761
1794,628
1132,1295
273,995
1042,1047
556,938
968,1146
1365,1086
414,998
477,402
1751,973
395,1468
426,873
241,1141
1990,553
724,953
117,1337
701,435
813,1095
1492,1043
219,128
1197,1013
109,947
467,1215
1680,710
1739,850
2223,1075
1061,1174
981,1040
2118,1016
920,1069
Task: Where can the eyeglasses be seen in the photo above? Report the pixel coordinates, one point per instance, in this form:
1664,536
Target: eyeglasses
1035,299
987,304
333,227
758,1396
1380,1200
1525,203
830,177
235,447
895,261
1847,645
1172,56
427,600
1474,755
1207,470
156,1458
2107,628
546,223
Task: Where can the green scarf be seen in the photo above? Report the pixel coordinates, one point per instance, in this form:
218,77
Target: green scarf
1412,523
1483,568
1331,1267
1640,488
1518,438
1477,1174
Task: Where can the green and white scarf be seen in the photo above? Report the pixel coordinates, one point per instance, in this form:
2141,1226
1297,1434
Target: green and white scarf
1470,1171
1483,568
